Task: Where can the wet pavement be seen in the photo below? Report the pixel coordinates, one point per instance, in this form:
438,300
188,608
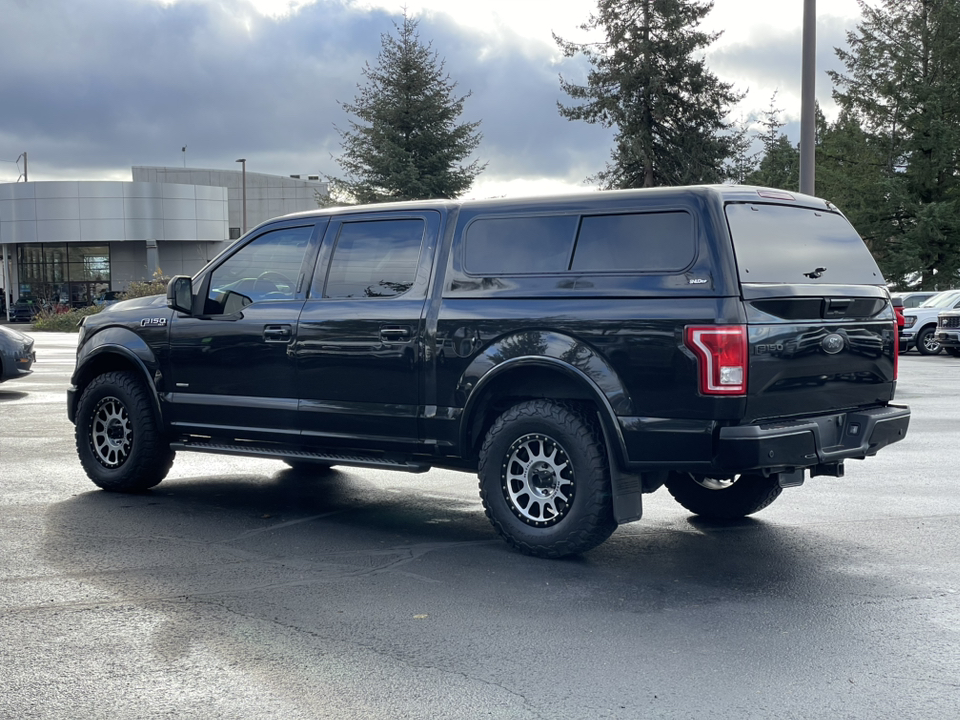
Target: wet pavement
238,588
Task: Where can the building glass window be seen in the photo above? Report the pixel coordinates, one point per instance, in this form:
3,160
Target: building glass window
63,273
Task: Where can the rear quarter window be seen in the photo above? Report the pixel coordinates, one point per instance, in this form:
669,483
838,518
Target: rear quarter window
628,242
784,244
637,242
519,245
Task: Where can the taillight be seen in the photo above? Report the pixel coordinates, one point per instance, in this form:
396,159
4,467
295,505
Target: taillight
896,350
722,354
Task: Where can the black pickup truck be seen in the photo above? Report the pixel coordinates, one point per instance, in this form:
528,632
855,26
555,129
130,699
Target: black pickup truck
575,352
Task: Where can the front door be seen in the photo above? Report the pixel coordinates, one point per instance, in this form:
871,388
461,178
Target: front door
359,339
232,368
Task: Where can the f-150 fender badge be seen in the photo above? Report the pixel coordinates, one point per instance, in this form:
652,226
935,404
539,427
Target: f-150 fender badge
153,322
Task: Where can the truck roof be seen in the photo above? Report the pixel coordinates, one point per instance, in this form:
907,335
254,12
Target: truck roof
717,193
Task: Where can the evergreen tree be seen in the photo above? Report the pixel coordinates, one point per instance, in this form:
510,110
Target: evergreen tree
901,87
851,172
742,162
779,165
406,142
650,82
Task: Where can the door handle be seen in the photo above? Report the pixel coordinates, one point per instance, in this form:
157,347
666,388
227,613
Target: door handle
395,333
277,333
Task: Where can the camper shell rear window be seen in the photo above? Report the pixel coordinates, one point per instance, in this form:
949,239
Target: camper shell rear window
796,245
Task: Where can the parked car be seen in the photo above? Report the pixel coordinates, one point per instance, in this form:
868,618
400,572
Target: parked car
16,354
24,310
575,352
920,323
914,298
897,303
108,297
948,331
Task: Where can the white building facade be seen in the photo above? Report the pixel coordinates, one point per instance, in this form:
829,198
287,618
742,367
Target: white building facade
68,241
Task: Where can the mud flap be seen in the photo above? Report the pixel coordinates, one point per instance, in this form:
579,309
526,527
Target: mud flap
627,496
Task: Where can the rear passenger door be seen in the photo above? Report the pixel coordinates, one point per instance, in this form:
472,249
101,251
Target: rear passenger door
359,338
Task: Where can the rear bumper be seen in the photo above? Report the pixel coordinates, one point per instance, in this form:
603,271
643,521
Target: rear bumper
811,441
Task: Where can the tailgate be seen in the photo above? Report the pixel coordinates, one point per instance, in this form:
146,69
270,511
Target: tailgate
818,354
821,330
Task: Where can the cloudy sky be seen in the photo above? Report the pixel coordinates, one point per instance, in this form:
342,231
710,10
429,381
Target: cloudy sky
90,88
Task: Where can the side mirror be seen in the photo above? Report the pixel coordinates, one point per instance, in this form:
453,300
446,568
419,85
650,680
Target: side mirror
180,294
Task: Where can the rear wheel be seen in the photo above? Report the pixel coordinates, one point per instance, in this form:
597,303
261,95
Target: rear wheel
544,480
119,443
723,498
955,352
927,343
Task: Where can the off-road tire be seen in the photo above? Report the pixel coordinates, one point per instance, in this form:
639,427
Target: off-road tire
558,446
119,443
926,346
722,499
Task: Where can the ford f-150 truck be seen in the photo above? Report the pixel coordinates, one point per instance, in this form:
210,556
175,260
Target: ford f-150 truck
574,352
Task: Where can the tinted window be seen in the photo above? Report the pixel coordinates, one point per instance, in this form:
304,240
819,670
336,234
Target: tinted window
780,244
663,242
511,246
376,258
265,269
941,300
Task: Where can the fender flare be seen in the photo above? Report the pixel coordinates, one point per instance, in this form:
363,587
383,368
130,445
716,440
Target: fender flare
132,348
573,358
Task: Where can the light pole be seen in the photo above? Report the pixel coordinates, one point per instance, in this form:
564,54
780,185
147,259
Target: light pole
808,100
243,165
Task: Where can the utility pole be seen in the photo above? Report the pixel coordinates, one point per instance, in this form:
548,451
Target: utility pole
243,164
808,100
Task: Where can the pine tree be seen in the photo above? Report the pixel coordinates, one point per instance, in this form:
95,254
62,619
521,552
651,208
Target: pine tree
851,173
406,142
779,166
650,82
901,87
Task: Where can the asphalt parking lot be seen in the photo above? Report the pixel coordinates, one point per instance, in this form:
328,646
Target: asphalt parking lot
240,589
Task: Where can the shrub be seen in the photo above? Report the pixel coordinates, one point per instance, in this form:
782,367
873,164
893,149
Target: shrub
53,321
146,288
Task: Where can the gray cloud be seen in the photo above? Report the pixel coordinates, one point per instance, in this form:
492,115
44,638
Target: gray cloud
100,85
773,62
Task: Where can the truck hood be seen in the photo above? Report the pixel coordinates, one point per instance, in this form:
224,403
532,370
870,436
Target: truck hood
152,301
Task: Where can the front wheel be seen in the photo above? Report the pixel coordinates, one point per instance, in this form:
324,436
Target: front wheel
120,446
927,343
723,498
544,480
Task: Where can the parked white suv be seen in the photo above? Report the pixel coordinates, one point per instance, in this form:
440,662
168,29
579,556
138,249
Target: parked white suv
920,323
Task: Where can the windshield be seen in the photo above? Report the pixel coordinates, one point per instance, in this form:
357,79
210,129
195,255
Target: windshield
941,300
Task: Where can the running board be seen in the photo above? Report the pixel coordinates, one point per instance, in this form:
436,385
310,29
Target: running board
353,459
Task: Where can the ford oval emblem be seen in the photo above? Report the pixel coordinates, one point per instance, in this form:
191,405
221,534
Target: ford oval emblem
832,344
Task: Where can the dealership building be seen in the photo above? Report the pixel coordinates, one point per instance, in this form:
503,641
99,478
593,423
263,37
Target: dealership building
68,241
